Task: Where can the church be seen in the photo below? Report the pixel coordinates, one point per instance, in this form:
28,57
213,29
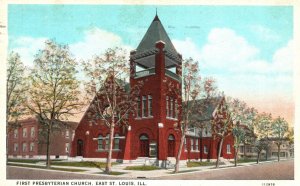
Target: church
153,136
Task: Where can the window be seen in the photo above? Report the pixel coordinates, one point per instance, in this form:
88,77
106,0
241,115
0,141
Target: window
67,134
15,133
31,147
185,146
167,106
106,141
67,147
24,132
144,110
150,105
117,142
171,108
192,144
138,109
24,147
228,149
242,149
176,109
100,142
15,147
205,149
32,131
197,145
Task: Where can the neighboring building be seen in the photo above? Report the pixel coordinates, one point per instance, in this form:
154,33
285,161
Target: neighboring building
273,149
247,147
27,141
200,142
153,134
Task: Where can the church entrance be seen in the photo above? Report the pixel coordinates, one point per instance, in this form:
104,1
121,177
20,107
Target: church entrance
79,147
144,146
171,146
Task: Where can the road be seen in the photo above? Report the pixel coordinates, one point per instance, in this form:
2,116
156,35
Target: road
283,170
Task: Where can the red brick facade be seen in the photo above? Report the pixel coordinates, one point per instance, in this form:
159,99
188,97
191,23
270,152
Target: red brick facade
154,129
27,141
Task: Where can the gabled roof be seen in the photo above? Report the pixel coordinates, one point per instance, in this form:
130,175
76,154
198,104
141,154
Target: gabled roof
204,108
155,32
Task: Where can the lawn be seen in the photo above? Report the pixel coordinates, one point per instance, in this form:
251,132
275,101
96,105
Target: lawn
43,167
246,160
30,160
142,168
83,164
198,164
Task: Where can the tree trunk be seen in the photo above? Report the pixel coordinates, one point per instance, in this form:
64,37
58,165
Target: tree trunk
110,145
279,152
179,152
266,153
201,148
7,147
48,147
235,156
219,152
244,150
258,156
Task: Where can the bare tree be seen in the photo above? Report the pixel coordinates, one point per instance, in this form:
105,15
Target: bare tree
108,93
191,89
54,90
15,94
279,131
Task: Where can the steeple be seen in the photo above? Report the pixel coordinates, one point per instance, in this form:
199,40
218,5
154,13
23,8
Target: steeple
156,32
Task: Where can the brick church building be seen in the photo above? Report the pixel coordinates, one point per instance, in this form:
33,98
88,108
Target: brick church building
154,133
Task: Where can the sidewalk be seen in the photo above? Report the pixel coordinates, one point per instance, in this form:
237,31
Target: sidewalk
144,174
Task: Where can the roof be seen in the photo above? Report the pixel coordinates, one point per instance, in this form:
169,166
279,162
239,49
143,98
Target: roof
204,108
156,32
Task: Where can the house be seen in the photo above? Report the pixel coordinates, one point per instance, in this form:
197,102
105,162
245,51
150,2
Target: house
28,140
201,143
153,134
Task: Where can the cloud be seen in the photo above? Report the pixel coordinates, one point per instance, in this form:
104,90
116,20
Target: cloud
238,67
96,41
264,33
27,47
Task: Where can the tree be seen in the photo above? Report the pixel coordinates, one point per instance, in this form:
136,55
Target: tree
279,131
54,90
210,87
15,97
263,130
239,136
108,93
191,89
260,145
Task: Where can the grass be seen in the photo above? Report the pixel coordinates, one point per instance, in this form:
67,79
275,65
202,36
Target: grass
191,170
114,173
247,160
142,168
198,164
83,164
43,167
29,160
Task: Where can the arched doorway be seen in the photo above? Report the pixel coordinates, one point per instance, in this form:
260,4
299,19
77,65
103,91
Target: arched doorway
144,146
171,146
79,147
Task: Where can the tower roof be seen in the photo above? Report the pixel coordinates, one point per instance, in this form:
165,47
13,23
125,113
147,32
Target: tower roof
155,32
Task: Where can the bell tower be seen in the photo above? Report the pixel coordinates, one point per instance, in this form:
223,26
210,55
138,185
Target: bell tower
154,127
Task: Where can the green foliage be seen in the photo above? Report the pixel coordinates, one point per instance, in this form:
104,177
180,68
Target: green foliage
199,164
83,164
142,168
15,88
54,89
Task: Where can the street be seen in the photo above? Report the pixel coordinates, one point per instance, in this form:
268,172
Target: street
283,170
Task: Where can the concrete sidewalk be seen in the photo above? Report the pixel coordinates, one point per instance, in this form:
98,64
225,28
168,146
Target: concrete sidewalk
144,174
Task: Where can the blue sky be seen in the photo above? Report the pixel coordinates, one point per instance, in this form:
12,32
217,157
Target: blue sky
248,49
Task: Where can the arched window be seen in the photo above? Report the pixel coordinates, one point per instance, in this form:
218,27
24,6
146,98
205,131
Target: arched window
100,142
171,146
117,142
143,137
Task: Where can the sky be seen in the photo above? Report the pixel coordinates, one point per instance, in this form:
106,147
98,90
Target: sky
247,49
